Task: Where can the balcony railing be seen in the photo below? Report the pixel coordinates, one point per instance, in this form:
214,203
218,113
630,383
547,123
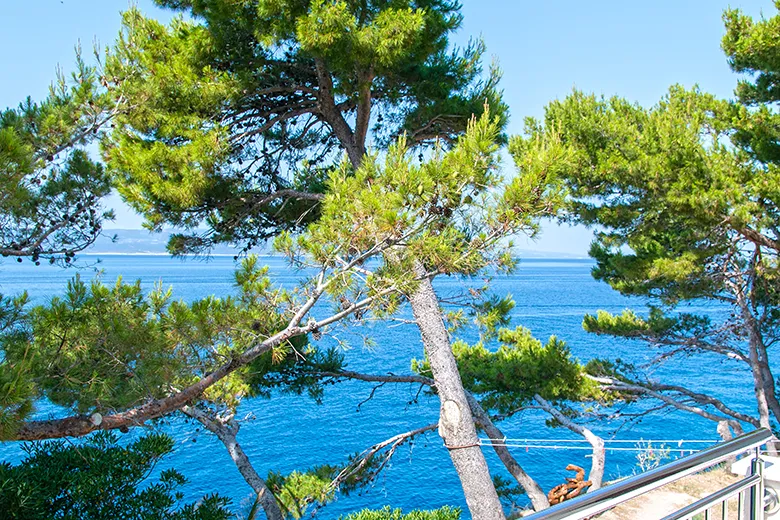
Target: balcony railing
749,492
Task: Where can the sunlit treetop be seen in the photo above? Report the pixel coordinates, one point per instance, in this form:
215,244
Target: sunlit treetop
752,48
454,214
672,198
237,115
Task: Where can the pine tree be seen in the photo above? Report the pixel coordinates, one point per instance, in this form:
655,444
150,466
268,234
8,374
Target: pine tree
239,114
235,114
119,358
50,190
684,199
237,122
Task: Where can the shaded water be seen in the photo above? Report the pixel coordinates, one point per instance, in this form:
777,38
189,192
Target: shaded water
290,432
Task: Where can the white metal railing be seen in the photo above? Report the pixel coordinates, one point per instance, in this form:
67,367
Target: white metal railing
749,492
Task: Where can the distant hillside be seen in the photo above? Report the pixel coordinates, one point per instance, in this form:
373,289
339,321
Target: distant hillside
140,242
533,253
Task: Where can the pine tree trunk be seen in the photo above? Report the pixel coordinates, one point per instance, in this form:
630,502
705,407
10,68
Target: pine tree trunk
764,390
762,356
456,424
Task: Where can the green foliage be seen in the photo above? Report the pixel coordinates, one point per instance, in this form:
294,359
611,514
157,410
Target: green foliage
87,351
493,313
178,164
752,48
442,211
684,198
298,491
364,207
246,99
386,513
661,183
235,120
655,327
508,378
15,388
99,480
103,348
302,493
50,189
617,370
332,30
628,324
298,372
678,203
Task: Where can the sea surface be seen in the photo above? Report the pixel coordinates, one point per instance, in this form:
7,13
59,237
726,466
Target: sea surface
285,433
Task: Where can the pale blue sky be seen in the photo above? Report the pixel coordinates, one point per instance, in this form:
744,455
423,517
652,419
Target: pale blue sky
546,48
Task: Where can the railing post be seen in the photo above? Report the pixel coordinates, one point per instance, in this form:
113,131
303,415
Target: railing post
757,496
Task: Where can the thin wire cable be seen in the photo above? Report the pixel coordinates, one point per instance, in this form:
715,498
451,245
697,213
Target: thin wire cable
589,448
625,441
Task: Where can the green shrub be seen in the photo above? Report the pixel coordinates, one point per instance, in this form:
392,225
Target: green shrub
99,480
445,513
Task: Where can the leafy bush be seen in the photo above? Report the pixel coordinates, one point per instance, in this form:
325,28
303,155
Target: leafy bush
445,513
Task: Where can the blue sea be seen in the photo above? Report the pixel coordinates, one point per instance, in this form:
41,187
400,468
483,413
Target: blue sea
285,432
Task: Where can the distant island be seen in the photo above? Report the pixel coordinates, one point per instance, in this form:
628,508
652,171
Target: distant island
143,242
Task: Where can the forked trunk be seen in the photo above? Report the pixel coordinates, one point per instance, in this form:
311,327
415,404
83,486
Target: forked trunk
763,381
538,497
227,434
596,475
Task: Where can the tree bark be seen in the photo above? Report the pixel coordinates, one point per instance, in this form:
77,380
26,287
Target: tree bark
333,116
613,384
227,432
456,424
482,419
78,425
764,389
364,108
757,238
764,385
596,475
714,402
